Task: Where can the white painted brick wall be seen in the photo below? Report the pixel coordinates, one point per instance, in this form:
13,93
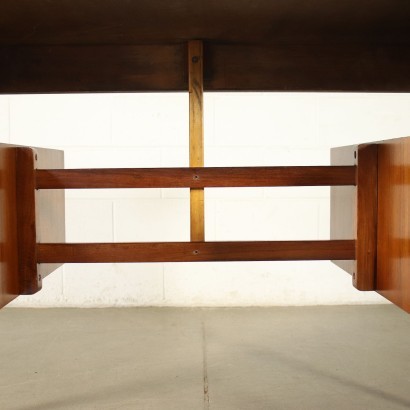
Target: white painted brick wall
151,130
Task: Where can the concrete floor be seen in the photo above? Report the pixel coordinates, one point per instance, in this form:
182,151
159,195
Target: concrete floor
259,358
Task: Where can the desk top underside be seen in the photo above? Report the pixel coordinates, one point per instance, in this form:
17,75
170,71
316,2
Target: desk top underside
49,46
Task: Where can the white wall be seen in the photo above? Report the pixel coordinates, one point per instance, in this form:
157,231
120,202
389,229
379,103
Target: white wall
151,130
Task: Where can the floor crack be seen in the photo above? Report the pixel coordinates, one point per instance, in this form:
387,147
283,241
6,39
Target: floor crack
205,367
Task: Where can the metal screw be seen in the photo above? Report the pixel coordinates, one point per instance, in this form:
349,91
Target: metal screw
196,177
195,252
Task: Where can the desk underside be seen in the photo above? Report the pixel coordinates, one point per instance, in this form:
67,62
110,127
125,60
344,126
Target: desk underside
51,46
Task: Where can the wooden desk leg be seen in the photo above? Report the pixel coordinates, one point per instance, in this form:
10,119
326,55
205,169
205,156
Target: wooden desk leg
354,212
393,234
27,217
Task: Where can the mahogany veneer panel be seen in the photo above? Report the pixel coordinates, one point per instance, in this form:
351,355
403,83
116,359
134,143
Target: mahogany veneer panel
9,280
393,235
195,177
18,264
354,212
195,251
26,217
30,281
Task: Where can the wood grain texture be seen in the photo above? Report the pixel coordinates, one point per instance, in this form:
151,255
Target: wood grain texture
9,280
354,212
26,217
195,177
195,251
297,67
30,281
218,21
393,236
18,223
227,67
121,45
93,69
367,193
40,214
196,135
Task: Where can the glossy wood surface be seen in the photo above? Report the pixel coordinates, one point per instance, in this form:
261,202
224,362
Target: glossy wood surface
9,283
195,251
18,273
393,235
195,177
354,212
30,281
367,218
196,136
27,216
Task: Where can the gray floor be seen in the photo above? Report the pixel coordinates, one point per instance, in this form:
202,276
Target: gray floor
258,358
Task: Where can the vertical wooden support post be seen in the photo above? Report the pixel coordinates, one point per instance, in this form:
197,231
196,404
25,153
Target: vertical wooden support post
354,212
393,228
27,217
196,135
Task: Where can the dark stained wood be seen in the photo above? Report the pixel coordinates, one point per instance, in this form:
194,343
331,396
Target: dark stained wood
30,281
18,274
354,212
366,243
196,135
26,217
217,21
195,251
298,67
227,67
40,215
93,69
120,45
195,177
9,283
393,236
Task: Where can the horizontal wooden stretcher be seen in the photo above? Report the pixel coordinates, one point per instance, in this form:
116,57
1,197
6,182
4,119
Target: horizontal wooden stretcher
370,208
